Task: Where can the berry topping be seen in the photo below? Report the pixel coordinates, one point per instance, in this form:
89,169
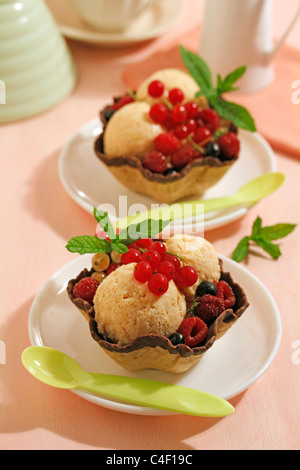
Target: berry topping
206,287
158,284
155,161
142,272
213,149
152,257
144,243
167,269
181,131
132,256
192,109
160,247
166,143
202,136
179,113
174,260
159,113
126,99
86,289
187,276
229,145
210,118
112,267
176,96
225,292
209,307
156,89
176,338
194,331
183,156
100,262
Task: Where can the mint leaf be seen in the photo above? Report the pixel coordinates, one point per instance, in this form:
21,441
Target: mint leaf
269,247
256,228
119,247
88,244
104,222
234,113
148,228
277,231
226,84
241,250
197,68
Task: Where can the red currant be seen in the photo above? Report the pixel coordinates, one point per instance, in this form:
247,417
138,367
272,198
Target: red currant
159,113
179,113
210,118
181,131
156,89
155,161
176,96
142,272
166,143
132,256
187,276
182,157
160,247
127,99
169,124
192,109
158,284
167,269
229,145
202,136
144,243
174,260
191,125
152,257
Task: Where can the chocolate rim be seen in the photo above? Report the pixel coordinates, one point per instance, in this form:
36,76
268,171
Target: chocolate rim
134,162
229,316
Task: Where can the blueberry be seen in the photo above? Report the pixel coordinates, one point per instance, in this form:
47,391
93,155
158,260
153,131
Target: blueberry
171,171
108,113
206,287
213,149
176,338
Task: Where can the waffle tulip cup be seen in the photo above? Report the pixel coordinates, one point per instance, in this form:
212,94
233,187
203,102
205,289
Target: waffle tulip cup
154,351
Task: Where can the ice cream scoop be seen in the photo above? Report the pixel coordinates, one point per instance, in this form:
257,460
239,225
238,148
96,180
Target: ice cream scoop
59,370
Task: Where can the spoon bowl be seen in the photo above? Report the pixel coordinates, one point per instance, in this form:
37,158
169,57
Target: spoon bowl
59,370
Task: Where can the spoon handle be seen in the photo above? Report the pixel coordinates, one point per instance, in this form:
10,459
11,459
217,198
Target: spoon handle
158,395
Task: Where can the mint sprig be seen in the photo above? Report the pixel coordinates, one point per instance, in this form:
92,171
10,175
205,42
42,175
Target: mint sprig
84,244
200,71
262,237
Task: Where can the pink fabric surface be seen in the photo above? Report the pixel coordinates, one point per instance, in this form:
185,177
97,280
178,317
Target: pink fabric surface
38,217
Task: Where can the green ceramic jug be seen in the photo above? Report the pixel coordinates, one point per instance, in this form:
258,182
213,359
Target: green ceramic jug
36,68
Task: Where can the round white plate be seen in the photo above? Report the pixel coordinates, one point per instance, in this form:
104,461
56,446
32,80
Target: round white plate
89,183
160,18
233,363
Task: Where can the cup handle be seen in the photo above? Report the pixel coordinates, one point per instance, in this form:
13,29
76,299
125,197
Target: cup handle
284,36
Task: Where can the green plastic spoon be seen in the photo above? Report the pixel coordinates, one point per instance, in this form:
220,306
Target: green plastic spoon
252,192
59,370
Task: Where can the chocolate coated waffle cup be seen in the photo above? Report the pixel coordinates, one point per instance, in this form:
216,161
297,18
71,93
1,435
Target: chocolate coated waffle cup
193,180
157,352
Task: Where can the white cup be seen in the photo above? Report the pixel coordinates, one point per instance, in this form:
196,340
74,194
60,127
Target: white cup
110,15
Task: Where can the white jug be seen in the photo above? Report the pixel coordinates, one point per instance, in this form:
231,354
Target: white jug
237,33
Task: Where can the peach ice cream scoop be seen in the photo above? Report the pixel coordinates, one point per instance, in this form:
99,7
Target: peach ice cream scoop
126,309
198,253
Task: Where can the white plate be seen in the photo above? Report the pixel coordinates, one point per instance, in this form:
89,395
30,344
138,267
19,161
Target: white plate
160,18
87,180
233,363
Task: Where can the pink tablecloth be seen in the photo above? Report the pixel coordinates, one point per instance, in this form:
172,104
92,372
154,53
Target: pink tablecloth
38,217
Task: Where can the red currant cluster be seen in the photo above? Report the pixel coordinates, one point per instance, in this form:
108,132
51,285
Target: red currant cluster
157,267
190,132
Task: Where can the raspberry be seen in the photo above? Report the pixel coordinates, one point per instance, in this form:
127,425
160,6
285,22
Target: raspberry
166,143
211,118
209,307
86,289
127,99
229,145
156,89
176,96
194,331
182,157
225,292
155,162
159,113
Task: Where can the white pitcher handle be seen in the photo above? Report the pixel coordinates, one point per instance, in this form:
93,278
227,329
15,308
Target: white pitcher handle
287,32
